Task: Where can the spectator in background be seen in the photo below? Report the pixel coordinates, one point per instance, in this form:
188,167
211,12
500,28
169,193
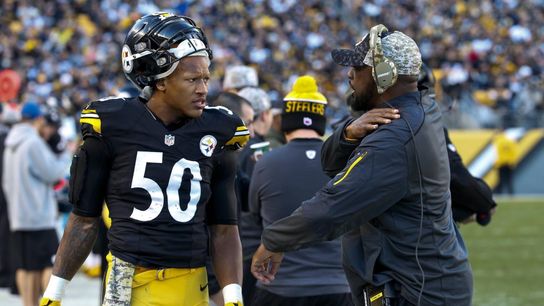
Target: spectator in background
238,77
283,179
507,154
30,170
53,123
249,227
262,122
275,135
237,105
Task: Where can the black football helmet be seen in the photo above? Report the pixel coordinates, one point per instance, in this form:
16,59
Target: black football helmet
149,54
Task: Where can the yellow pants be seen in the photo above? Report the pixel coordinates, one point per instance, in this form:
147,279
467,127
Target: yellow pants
167,287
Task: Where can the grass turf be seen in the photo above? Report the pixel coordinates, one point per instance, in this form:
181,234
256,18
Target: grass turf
507,256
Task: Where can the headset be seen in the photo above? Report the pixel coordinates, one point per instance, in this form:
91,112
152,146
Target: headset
384,70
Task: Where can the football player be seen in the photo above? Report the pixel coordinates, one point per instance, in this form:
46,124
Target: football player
164,163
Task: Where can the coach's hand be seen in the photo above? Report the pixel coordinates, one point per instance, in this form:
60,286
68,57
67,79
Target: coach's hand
49,302
265,264
370,121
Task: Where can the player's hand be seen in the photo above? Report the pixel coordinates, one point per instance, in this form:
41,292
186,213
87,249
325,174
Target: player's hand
265,264
49,302
370,121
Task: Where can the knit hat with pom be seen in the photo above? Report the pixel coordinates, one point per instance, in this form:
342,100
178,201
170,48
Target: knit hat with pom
304,107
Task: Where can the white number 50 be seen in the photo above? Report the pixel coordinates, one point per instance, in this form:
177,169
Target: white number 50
154,190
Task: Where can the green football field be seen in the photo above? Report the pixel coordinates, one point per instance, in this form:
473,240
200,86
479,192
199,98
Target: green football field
507,256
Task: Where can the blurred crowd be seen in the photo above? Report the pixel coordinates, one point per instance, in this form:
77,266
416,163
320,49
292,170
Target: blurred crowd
487,55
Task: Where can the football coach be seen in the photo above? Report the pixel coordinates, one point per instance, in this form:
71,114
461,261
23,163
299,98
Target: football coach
392,200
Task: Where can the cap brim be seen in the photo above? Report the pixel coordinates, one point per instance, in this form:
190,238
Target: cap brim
347,57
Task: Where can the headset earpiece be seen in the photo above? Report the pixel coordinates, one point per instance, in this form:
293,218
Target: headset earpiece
384,70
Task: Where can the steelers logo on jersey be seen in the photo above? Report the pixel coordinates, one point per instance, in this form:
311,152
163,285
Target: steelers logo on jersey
207,145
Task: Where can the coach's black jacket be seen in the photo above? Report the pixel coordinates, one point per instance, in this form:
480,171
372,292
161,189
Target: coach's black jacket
469,195
375,202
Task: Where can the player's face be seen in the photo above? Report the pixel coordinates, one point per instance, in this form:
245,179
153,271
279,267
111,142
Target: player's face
364,89
187,87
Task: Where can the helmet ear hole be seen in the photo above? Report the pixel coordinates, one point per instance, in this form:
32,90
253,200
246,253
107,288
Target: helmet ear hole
143,80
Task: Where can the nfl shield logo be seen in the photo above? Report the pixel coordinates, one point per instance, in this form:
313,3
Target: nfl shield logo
310,154
169,140
307,121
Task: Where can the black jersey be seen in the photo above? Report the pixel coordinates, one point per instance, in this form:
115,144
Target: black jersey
160,180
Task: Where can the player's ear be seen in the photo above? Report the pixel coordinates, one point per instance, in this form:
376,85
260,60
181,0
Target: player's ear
160,85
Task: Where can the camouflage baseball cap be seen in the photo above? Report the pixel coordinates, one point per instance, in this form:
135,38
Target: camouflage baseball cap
259,99
238,77
397,46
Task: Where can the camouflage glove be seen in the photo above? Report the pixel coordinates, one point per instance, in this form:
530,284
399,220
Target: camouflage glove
49,302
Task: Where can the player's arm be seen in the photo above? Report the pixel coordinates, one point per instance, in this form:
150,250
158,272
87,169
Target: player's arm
222,211
88,178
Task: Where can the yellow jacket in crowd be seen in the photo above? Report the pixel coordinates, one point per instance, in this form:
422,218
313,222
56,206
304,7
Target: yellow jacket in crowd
507,151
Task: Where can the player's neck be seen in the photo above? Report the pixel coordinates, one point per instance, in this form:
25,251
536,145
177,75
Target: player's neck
162,112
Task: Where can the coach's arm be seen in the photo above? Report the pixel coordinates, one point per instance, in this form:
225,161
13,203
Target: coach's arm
340,145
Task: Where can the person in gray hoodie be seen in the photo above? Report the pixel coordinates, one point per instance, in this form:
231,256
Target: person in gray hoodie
30,170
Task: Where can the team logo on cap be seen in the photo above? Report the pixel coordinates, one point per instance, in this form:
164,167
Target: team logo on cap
307,121
207,145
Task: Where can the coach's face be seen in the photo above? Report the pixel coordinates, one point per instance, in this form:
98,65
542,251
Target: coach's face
364,88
